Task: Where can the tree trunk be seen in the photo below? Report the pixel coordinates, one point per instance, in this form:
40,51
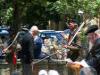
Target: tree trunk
16,21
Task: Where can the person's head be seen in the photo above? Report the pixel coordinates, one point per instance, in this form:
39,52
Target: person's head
72,25
34,30
91,29
92,36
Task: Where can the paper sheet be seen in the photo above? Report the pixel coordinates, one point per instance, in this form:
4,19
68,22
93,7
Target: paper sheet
83,63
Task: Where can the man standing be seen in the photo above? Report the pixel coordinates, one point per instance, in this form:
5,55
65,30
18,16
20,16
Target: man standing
68,34
28,50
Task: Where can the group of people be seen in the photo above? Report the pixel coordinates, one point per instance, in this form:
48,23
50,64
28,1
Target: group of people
30,40
92,58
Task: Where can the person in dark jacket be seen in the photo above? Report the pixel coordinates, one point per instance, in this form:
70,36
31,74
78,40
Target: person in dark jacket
93,56
92,59
28,50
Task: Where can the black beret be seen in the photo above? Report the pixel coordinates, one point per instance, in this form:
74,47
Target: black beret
91,29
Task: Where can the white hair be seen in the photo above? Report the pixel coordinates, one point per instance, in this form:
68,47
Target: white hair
34,28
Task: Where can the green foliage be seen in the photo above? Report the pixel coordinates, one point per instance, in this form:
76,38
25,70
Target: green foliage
5,11
91,6
40,11
83,37
8,15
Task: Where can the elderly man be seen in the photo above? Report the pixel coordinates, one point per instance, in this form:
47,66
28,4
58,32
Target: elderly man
28,50
93,57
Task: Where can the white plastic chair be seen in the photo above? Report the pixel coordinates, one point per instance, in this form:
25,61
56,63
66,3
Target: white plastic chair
53,72
43,72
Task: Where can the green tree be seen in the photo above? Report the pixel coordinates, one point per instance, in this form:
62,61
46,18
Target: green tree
21,12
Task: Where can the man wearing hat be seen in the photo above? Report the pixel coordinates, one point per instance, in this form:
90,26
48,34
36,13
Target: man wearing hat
68,35
93,57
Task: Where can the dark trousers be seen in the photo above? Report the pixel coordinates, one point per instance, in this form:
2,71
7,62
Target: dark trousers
27,69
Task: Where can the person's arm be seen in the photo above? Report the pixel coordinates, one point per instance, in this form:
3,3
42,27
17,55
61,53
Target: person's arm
71,47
